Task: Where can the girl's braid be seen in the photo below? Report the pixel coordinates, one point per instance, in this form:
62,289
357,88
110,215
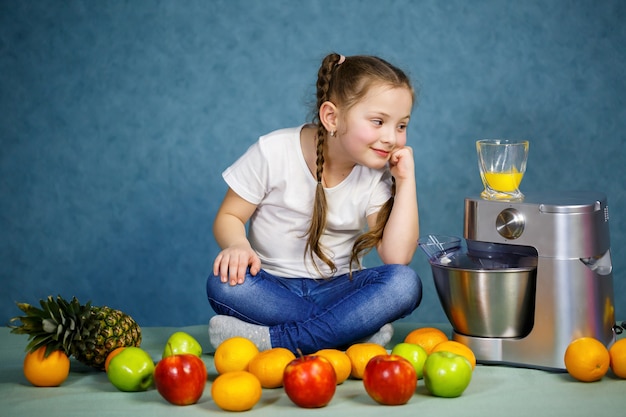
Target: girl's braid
313,246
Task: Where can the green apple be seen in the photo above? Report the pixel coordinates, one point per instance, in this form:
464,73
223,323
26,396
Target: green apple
447,374
413,353
131,370
180,343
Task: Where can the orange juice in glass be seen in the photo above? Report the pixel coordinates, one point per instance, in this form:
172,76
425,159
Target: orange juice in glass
502,164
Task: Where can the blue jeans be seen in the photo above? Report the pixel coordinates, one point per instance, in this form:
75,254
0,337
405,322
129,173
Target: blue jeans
310,314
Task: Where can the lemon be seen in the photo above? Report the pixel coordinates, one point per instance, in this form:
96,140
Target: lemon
50,371
269,366
236,391
234,354
339,360
360,354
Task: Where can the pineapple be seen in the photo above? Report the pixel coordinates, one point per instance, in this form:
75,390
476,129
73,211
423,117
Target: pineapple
85,332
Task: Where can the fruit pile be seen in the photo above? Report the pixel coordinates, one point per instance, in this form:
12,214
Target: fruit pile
60,329
310,381
110,340
180,376
87,332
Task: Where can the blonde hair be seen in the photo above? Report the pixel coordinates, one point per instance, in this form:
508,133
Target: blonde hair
344,81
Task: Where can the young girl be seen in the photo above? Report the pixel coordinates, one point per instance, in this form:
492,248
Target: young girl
308,194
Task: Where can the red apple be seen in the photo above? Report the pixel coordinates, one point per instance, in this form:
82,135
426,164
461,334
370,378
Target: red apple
310,381
181,379
390,379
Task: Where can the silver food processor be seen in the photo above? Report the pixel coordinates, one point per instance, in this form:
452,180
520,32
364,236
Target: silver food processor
530,277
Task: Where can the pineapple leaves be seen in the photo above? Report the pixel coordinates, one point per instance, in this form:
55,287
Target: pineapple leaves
53,325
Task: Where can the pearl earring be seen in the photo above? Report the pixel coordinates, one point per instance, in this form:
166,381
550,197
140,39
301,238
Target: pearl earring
332,133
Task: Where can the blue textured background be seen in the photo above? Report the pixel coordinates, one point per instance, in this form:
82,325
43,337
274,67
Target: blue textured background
117,117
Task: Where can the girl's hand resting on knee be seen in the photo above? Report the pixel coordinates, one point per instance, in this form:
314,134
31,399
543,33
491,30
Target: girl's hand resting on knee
232,263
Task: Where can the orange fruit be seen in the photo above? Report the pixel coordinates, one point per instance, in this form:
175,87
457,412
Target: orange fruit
269,366
234,354
339,360
236,391
458,348
49,371
360,354
111,355
587,359
426,337
617,354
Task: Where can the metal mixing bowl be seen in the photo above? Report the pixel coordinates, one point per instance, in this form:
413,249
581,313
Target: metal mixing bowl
478,302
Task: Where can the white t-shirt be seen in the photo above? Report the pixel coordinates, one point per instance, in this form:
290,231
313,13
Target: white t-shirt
273,175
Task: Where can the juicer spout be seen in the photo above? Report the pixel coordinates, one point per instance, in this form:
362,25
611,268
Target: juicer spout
601,265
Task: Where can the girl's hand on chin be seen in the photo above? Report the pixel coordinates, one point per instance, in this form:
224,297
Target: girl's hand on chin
401,163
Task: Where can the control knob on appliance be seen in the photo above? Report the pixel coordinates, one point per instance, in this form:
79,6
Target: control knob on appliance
510,223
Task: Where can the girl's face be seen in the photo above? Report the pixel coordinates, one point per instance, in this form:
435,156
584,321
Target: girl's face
374,127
